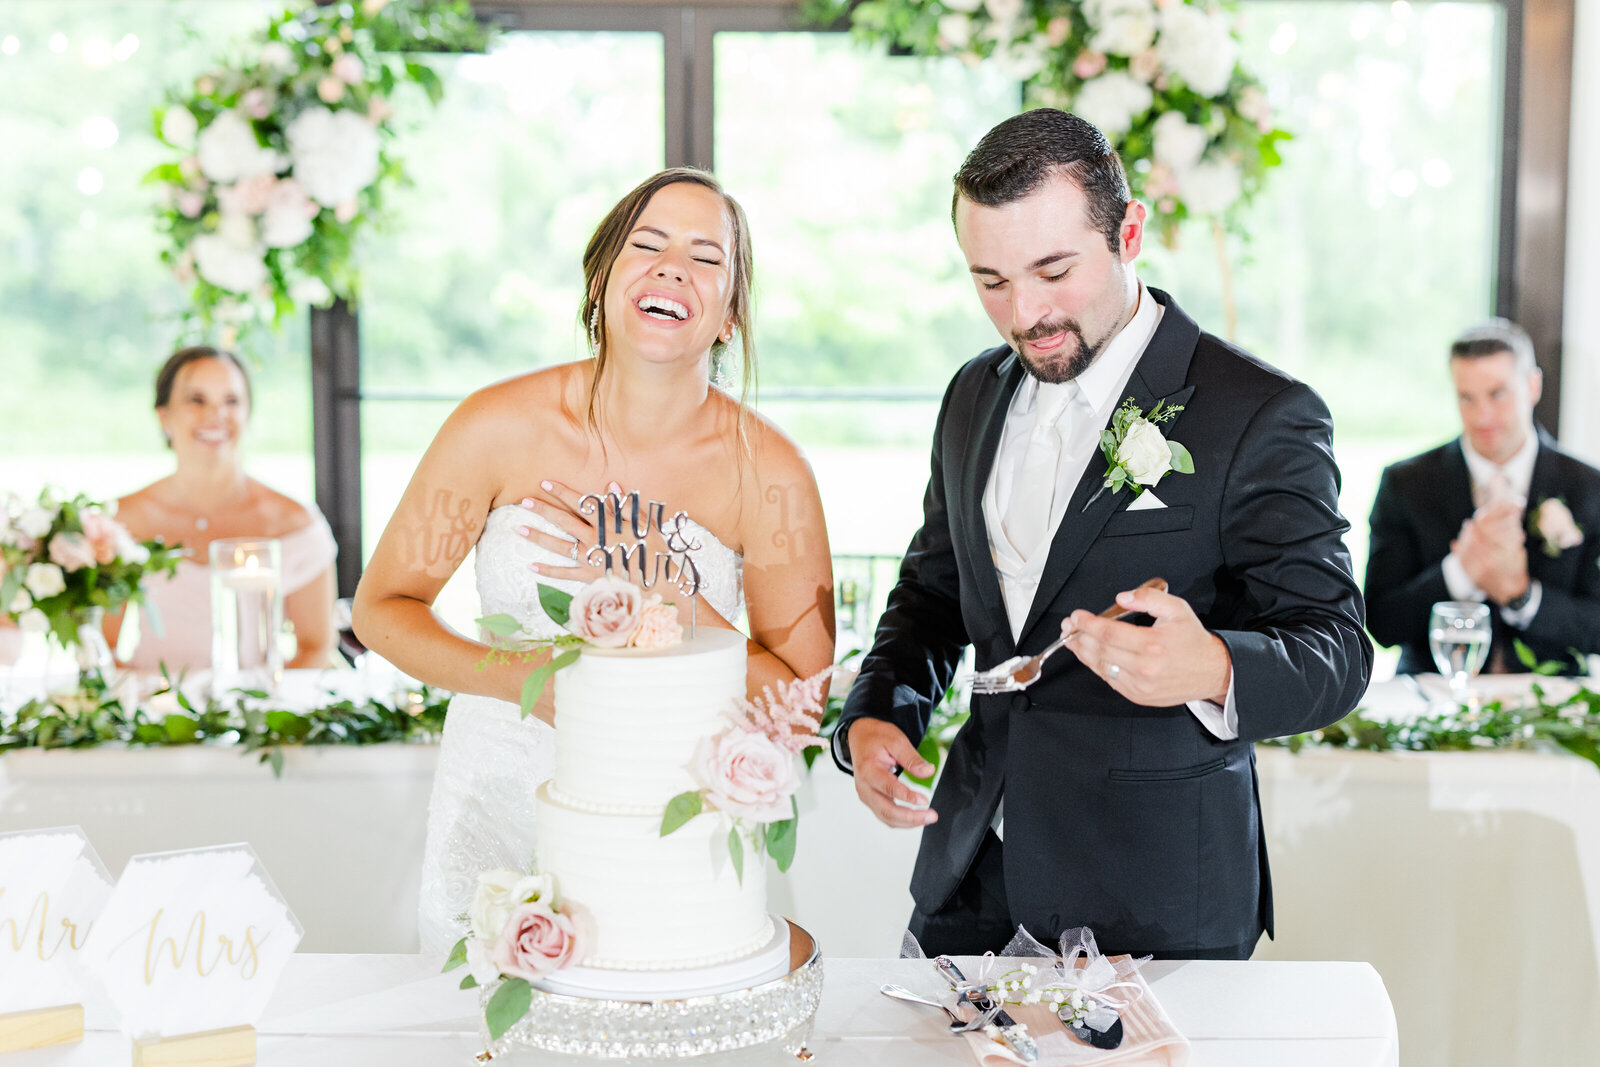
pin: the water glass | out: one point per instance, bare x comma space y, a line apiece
1458, 636
246, 614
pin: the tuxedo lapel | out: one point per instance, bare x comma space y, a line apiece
988, 420
1543, 486
1159, 375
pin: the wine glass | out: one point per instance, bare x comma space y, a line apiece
1458, 637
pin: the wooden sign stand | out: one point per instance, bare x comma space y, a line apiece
41, 1027
234, 1046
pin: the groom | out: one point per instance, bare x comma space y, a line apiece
1119, 791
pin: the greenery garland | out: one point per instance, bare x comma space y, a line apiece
1160, 78
283, 155
96, 714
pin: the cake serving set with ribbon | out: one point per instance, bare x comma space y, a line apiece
642, 929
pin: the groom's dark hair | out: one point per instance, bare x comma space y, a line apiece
1024, 151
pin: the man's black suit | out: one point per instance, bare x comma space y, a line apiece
1420, 507
1134, 821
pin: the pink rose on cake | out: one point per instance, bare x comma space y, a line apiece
537, 940
606, 612
747, 775
658, 625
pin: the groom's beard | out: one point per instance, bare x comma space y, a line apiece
1061, 368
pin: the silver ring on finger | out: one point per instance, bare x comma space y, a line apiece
574, 551
1113, 672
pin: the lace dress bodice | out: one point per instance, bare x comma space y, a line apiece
491, 760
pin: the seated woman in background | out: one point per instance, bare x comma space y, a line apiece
203, 402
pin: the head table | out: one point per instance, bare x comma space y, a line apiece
1469, 880
398, 1011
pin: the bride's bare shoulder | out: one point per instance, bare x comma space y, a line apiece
526, 402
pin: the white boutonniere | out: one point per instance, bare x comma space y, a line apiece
1137, 454
1553, 524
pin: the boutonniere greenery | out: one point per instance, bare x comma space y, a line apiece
1552, 523
1137, 454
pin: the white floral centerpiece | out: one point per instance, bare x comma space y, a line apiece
283, 155
64, 562
1161, 79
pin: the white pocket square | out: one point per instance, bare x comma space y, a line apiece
1145, 501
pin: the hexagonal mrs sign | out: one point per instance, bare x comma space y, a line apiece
52, 888
189, 949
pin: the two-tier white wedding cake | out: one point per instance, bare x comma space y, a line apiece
671, 915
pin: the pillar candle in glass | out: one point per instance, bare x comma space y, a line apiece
246, 614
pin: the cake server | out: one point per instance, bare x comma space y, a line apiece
1019, 672
1012, 1034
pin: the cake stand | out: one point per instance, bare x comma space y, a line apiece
781, 1010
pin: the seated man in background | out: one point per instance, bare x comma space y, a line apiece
1499, 515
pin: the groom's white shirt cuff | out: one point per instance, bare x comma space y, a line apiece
1221, 719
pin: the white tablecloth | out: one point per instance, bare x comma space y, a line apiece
1447, 871
397, 1011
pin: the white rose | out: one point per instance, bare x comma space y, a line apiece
956, 28
1197, 47
287, 219
228, 150
479, 962
36, 522
33, 621
20, 603
1122, 27
1179, 143
1112, 101
1210, 187
178, 127
45, 580
1144, 452
310, 291
227, 265
335, 154
1021, 60
499, 891
276, 55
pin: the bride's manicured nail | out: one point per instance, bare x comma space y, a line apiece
527, 501
614, 487
523, 530
534, 567
548, 487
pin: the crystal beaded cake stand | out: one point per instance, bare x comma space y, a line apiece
781, 1010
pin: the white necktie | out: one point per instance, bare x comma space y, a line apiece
1027, 517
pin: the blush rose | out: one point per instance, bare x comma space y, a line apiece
748, 774
537, 940
1556, 526
606, 612
658, 626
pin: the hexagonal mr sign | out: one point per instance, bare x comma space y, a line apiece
189, 948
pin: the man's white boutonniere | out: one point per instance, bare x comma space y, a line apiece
1137, 454
1554, 525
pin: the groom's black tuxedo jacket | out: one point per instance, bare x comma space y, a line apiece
1134, 821
1420, 507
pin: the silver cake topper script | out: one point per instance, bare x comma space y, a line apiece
676, 566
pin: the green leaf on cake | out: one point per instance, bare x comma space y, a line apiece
680, 809
457, 957
556, 604
509, 1003
469, 982
736, 853
500, 625
533, 687
781, 841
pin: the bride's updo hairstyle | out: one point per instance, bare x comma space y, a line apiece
607, 243
167, 376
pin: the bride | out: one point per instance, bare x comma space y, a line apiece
667, 278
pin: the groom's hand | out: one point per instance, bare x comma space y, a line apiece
1173, 662
877, 750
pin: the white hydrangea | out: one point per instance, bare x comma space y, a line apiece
228, 150
1197, 46
1021, 60
1112, 101
1210, 187
335, 154
956, 28
231, 258
1179, 143
1122, 27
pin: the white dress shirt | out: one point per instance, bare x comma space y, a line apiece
1490, 482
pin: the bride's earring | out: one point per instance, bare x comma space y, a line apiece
594, 329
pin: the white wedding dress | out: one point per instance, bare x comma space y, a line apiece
491, 760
